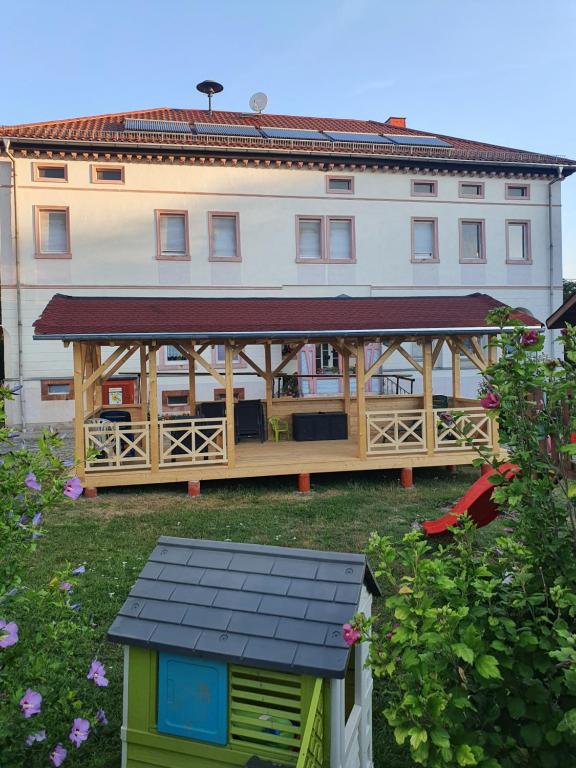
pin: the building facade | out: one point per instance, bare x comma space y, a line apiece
157, 204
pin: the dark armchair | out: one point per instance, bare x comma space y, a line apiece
249, 420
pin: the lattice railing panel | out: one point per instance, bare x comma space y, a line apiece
312, 750
122, 445
193, 441
396, 432
266, 713
449, 422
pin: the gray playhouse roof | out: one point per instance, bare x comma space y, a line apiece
272, 607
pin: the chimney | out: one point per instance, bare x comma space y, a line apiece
397, 122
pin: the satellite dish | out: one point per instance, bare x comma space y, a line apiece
258, 102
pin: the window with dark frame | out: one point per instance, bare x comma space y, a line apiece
472, 247
50, 173
424, 188
340, 184
108, 174
517, 191
471, 189
56, 389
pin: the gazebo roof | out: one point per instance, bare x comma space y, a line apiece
262, 606
105, 317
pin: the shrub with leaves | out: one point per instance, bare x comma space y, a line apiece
479, 647
50, 703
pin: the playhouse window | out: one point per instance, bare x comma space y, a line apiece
193, 698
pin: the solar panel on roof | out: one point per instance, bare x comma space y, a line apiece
358, 138
419, 141
289, 133
161, 126
222, 129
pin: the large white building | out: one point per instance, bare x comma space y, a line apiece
173, 202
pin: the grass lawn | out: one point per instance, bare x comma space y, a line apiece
115, 533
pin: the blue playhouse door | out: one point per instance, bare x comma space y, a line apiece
193, 698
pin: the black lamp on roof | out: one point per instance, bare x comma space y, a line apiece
209, 87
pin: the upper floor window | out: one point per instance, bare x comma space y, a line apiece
172, 235
518, 246
224, 236
472, 246
219, 356
517, 191
425, 240
424, 188
340, 184
325, 239
52, 232
50, 172
173, 354
108, 174
471, 189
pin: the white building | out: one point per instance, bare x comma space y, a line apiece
172, 202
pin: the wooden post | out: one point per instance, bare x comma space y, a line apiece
143, 384
192, 384
428, 407
346, 380
89, 368
230, 445
493, 358
98, 384
361, 398
153, 408
269, 382
456, 386
79, 449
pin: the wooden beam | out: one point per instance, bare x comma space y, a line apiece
466, 352
456, 374
143, 383
285, 360
361, 399
192, 355
346, 381
79, 449
119, 363
97, 385
428, 393
252, 364
153, 408
478, 349
105, 365
383, 357
411, 360
493, 358
269, 381
229, 384
437, 349
192, 385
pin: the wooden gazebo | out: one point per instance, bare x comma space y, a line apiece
382, 431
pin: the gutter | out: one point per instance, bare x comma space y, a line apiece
16, 251
551, 252
478, 331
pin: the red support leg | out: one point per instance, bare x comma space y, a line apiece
90, 493
304, 482
194, 488
406, 477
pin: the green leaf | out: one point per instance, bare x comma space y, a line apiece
571, 490
487, 667
568, 722
465, 756
418, 736
532, 734
440, 738
516, 707
553, 738
401, 733
464, 652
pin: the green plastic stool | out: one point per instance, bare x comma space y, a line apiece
279, 426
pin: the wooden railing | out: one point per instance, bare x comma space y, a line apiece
396, 432
112, 445
474, 422
312, 749
193, 441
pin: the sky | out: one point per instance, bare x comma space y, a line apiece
501, 71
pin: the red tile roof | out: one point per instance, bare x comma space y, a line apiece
109, 128
130, 317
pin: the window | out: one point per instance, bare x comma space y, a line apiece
424, 240
472, 246
53, 233
107, 174
175, 400
57, 389
517, 191
219, 356
325, 238
172, 235
518, 247
424, 188
220, 393
471, 189
50, 172
327, 359
340, 185
224, 236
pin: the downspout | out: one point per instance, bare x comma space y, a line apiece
551, 306
16, 251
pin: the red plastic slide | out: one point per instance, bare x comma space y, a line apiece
477, 501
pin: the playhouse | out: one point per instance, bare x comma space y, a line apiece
234, 656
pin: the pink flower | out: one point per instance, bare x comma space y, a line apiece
101, 717
80, 731
98, 674
58, 755
8, 633
65, 586
491, 401
40, 736
30, 703
530, 338
73, 488
31, 482
350, 634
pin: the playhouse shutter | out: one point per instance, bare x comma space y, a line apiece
266, 712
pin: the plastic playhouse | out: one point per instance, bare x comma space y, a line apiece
234, 656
